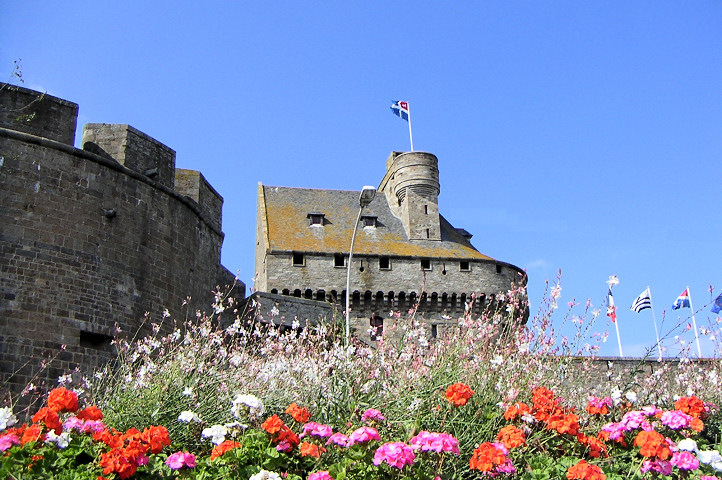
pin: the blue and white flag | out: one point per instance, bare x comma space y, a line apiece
682, 301
644, 300
717, 305
401, 109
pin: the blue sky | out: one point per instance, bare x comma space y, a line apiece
581, 136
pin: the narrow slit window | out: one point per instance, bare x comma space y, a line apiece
498, 268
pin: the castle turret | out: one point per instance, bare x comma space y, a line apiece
411, 185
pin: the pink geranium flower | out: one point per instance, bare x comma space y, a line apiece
322, 475
372, 414
363, 435
684, 461
8, 440
396, 454
316, 430
435, 442
179, 460
338, 439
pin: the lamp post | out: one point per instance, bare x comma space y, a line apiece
366, 197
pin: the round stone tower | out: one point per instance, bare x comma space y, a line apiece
412, 189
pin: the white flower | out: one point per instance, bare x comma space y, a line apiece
61, 440
7, 419
254, 404
711, 458
497, 360
217, 433
616, 396
265, 475
631, 396
235, 360
188, 392
187, 417
687, 444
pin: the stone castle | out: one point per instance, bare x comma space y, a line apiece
98, 238
93, 239
406, 255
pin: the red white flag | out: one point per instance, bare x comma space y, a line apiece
611, 310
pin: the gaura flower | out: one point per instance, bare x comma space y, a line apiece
458, 394
396, 454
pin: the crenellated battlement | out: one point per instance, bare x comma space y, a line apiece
92, 240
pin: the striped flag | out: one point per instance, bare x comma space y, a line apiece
644, 300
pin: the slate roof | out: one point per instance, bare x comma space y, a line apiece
287, 226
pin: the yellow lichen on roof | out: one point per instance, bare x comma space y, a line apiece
287, 212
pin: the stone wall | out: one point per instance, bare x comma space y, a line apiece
89, 246
267, 308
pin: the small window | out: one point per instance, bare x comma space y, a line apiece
428, 235
434, 330
339, 260
426, 209
298, 260
316, 218
368, 221
425, 264
384, 263
464, 266
498, 268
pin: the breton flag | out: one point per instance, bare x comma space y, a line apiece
644, 300
682, 301
717, 306
611, 310
401, 109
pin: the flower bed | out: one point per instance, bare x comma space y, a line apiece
543, 438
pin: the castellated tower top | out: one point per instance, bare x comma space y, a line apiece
411, 185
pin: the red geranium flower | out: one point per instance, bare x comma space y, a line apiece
300, 414
63, 400
459, 394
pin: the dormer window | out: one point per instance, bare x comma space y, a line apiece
316, 219
368, 221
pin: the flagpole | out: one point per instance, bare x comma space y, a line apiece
694, 324
619, 340
411, 139
654, 319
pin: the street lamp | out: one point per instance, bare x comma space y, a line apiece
366, 197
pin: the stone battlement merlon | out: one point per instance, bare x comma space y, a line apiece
55, 120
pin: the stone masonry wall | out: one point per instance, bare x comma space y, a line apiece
87, 245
